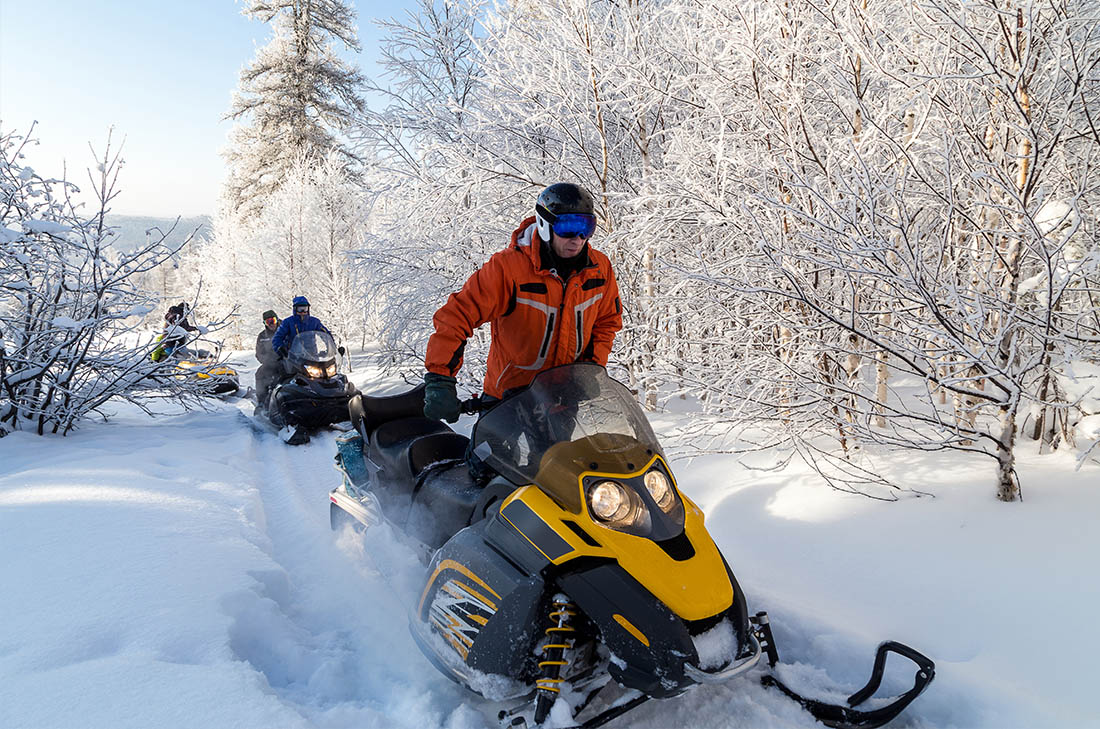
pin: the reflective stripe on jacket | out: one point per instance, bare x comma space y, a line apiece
537, 321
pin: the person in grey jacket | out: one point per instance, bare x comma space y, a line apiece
269, 370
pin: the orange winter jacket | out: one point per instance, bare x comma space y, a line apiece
538, 321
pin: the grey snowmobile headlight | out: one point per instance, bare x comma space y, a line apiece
330, 371
660, 488
315, 372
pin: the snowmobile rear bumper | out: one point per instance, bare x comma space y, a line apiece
225, 386
850, 717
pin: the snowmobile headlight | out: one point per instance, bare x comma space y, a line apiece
315, 372
330, 371
660, 488
609, 501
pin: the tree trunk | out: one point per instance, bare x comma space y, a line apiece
1008, 486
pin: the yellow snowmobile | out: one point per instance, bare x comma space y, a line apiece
580, 564
202, 365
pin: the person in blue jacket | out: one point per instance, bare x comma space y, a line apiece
299, 321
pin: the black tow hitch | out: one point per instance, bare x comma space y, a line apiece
850, 717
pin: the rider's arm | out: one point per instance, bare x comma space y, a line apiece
483, 298
279, 339
608, 322
261, 354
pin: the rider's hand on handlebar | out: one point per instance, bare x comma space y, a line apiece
440, 397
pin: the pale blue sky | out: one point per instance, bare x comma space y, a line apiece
161, 73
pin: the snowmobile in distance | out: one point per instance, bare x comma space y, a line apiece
196, 363
206, 367
314, 394
578, 566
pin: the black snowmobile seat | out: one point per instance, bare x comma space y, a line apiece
389, 447
379, 410
436, 448
446, 496
401, 432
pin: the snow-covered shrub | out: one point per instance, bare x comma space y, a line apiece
69, 306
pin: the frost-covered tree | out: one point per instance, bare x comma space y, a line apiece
864, 225
485, 112
298, 244
432, 221
70, 308
895, 209
296, 99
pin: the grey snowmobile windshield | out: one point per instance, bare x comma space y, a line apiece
570, 420
313, 346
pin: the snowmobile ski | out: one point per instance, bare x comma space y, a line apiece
850, 717
516, 719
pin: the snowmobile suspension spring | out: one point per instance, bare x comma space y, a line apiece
553, 655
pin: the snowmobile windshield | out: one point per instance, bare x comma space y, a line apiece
571, 420
313, 346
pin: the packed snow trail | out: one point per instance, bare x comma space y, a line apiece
323, 628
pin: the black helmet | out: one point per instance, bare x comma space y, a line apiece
559, 199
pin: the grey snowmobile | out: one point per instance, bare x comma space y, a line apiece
315, 394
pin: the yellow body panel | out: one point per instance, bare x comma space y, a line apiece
694, 588
189, 367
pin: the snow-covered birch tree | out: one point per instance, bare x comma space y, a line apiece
861, 224
70, 308
910, 239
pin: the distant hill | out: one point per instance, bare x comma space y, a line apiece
131, 229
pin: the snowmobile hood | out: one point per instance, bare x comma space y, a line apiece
687, 574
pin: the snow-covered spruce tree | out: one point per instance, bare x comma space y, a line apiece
295, 100
70, 310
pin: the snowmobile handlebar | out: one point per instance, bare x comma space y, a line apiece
472, 406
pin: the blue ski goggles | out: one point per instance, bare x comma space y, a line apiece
575, 225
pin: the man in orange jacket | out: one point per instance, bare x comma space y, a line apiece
550, 298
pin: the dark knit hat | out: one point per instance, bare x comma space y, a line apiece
268, 314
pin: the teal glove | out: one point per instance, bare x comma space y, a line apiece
440, 397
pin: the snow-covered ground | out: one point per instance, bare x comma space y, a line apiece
180, 571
